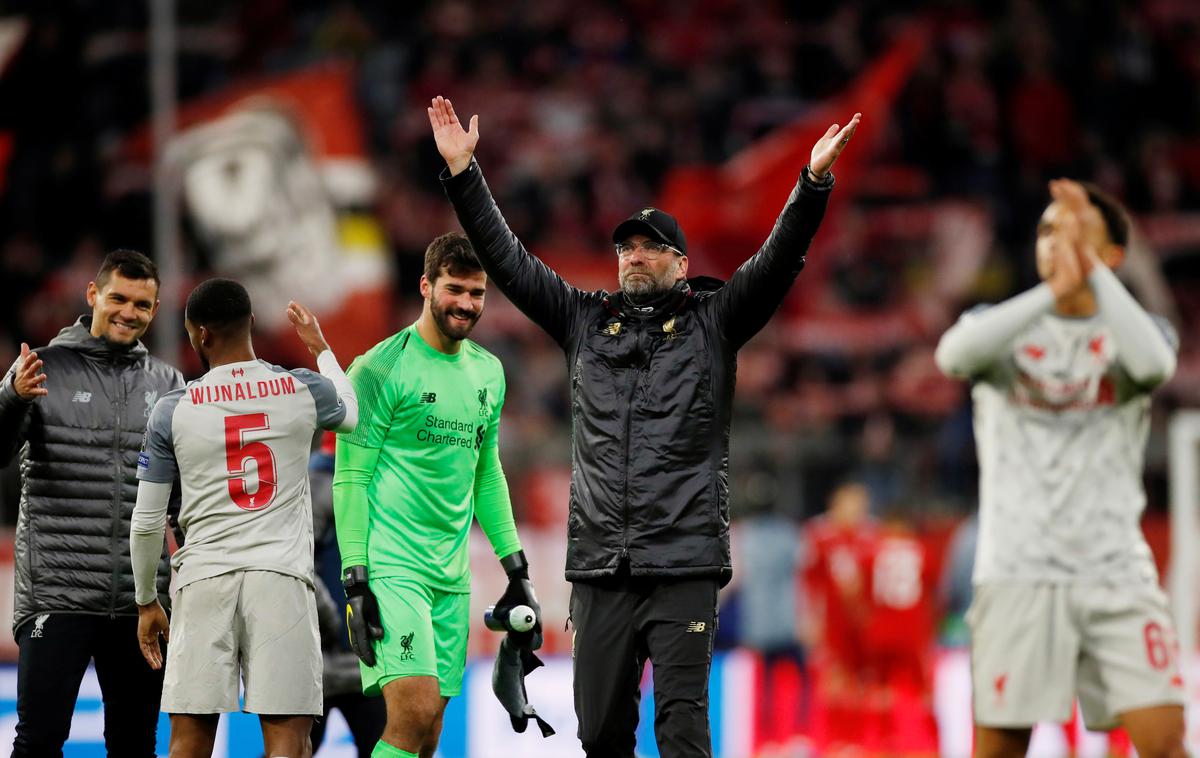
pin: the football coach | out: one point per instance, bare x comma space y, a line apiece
651, 368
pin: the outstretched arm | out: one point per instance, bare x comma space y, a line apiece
531, 285
341, 414
980, 338
758, 287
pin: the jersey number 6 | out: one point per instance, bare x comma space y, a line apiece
237, 451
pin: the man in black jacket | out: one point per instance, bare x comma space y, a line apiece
77, 410
652, 374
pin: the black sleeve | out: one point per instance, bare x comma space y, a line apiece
756, 290
530, 284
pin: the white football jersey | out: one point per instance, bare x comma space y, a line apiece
239, 439
1060, 432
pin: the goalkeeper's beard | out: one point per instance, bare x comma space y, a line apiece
452, 327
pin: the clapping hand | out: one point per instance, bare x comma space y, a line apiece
1073, 241
1082, 225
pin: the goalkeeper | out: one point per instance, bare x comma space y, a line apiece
422, 460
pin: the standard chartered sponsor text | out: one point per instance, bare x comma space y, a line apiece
441, 431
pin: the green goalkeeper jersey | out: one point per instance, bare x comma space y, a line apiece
422, 460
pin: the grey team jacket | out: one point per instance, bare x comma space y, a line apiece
651, 391
78, 457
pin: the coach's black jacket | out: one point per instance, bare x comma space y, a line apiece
651, 390
78, 451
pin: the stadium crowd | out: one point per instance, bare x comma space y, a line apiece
590, 104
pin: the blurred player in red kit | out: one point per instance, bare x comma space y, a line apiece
900, 639
841, 543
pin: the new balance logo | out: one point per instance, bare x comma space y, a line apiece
428, 397
406, 642
82, 397
697, 626
38, 623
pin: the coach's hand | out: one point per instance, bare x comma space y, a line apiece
362, 614
830, 146
152, 622
520, 592
454, 143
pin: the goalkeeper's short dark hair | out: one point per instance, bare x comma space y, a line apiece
450, 253
220, 304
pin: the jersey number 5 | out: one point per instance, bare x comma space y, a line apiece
238, 451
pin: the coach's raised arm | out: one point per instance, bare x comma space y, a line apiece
652, 378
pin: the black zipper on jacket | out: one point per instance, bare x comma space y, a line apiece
630, 392
119, 479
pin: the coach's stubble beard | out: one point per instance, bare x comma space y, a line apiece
639, 285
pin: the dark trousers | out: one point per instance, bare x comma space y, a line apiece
619, 625
54, 656
366, 717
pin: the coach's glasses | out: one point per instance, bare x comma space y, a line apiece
651, 250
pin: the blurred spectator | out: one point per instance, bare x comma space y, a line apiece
955, 588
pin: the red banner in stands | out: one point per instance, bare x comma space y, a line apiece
729, 210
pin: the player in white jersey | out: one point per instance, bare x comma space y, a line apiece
1067, 602
239, 439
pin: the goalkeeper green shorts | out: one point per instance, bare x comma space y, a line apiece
424, 634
